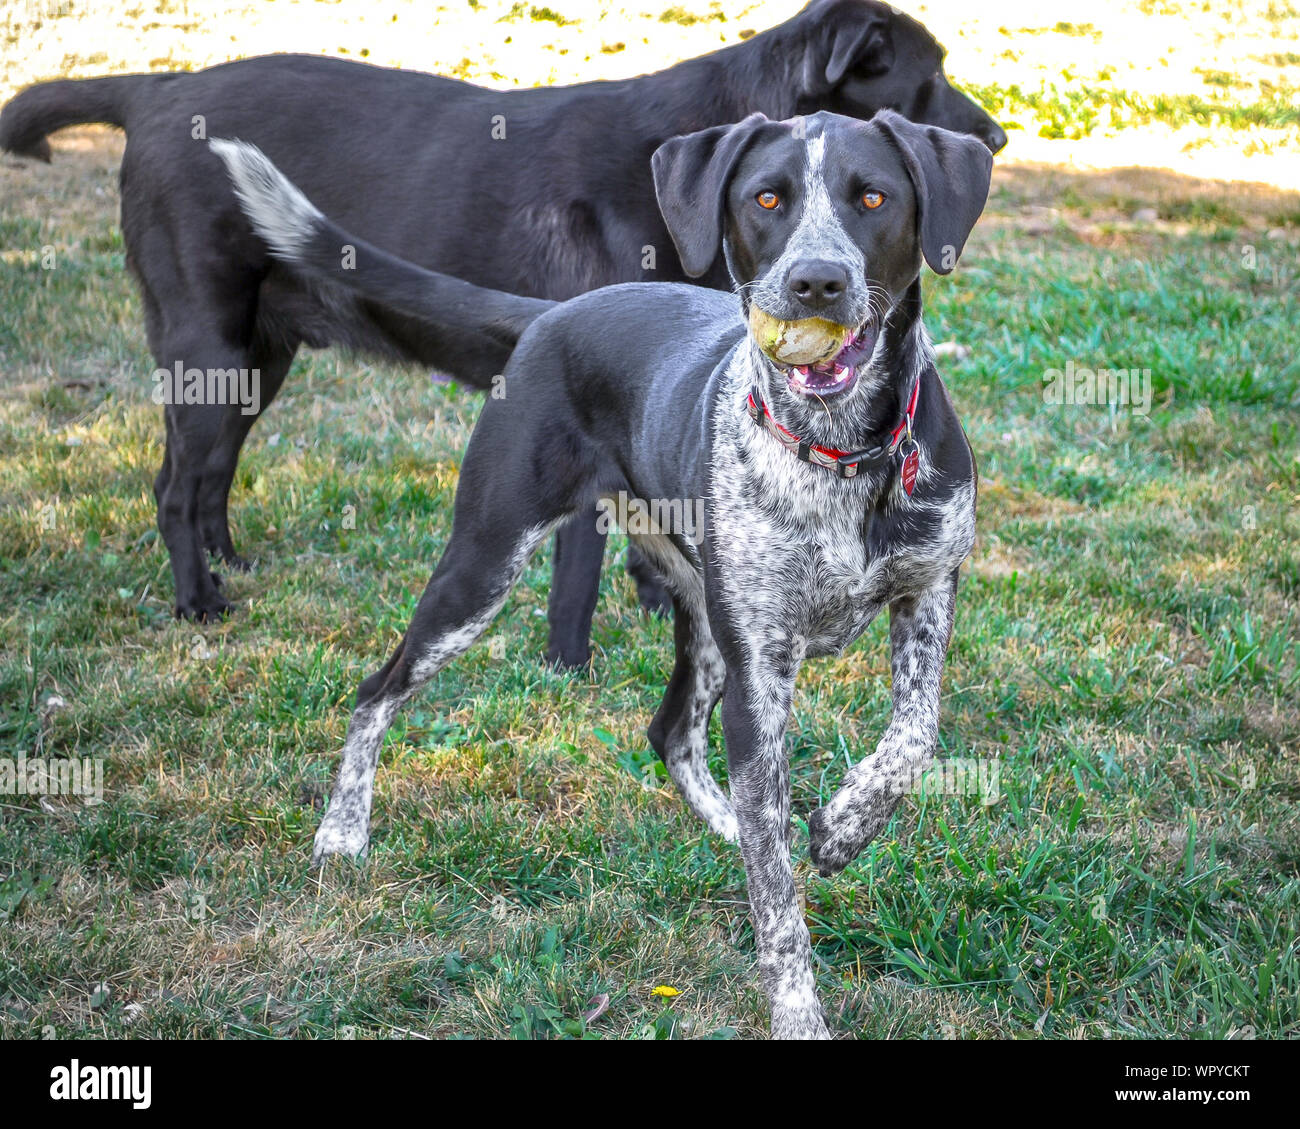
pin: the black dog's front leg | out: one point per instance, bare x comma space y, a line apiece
919, 630
575, 586
755, 708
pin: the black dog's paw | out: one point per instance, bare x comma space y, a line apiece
568, 656
211, 610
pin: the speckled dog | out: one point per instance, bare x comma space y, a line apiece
831, 490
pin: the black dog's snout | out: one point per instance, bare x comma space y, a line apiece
817, 283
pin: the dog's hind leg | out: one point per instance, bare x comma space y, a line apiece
191, 431
680, 729
462, 598
198, 314
919, 630
269, 366
504, 509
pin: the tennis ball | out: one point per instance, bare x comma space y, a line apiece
808, 341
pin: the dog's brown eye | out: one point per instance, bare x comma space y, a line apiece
872, 199
768, 200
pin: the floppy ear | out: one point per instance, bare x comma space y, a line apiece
858, 42
950, 172
691, 177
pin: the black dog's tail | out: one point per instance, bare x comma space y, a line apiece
474, 329
48, 106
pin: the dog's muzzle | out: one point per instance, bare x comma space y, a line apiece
829, 378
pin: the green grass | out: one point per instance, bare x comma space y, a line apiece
533, 12
1080, 109
685, 17
1126, 644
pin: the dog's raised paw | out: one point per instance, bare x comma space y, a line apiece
727, 826
821, 846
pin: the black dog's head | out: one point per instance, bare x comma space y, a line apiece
860, 56
824, 217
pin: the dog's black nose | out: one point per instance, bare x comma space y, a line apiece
817, 283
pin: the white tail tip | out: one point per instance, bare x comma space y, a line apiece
278, 211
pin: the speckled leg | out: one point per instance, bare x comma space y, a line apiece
919, 630
462, 598
680, 730
755, 708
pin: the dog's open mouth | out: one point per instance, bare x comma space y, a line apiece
828, 378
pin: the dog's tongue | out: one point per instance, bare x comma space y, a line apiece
827, 376
859, 349
850, 357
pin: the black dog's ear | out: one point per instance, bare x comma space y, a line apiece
861, 41
691, 177
951, 173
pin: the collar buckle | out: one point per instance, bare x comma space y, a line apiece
846, 464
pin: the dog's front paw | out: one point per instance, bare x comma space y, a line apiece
339, 836
859, 811
799, 1023
726, 825
835, 839
821, 848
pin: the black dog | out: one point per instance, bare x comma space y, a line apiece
541, 192
830, 489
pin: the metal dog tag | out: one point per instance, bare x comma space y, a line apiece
908, 474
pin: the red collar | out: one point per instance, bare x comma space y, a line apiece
844, 463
